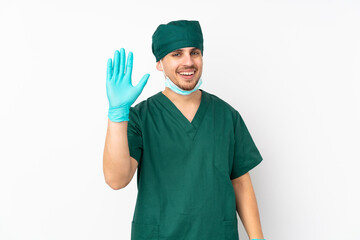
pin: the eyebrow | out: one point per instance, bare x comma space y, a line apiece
180, 50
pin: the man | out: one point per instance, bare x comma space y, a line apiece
192, 150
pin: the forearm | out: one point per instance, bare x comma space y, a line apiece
116, 158
247, 208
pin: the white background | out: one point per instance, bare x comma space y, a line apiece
291, 68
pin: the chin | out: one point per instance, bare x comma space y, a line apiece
188, 87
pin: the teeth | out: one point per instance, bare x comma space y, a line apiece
186, 73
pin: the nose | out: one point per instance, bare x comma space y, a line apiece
188, 59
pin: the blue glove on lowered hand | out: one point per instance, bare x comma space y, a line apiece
120, 92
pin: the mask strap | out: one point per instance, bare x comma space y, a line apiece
163, 69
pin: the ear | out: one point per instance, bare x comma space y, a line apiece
158, 66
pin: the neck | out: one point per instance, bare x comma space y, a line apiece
182, 99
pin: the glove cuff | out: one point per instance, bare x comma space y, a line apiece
119, 114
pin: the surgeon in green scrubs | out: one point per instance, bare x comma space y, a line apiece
192, 150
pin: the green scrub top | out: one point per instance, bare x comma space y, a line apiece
185, 169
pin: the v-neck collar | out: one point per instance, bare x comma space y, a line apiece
190, 127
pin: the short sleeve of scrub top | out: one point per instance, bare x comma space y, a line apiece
185, 169
134, 135
246, 154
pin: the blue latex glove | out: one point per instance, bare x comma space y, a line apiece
120, 92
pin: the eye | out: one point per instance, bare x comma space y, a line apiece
195, 53
176, 54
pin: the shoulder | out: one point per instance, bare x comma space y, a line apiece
221, 106
142, 107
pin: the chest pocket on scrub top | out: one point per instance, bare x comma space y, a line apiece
224, 152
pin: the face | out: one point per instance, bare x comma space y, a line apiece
183, 66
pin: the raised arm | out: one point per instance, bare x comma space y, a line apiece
118, 166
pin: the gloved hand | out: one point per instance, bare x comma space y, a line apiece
120, 92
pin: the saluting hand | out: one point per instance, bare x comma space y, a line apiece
119, 89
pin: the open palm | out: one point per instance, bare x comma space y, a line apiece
120, 91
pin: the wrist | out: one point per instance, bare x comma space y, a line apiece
119, 114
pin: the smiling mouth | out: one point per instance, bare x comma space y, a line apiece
187, 74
